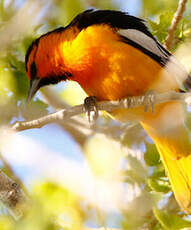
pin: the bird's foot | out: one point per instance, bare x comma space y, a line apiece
149, 101
90, 107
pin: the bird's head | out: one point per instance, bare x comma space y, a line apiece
45, 62
81, 51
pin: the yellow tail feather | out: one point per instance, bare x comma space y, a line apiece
179, 172
166, 128
175, 150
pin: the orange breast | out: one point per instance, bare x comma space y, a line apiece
110, 69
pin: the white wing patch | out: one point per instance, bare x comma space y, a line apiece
176, 70
144, 40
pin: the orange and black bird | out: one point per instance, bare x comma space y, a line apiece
113, 55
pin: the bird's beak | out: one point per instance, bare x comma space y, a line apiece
34, 86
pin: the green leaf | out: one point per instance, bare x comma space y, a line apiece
6, 223
1, 10
34, 109
158, 186
151, 8
188, 120
171, 221
67, 10
151, 155
107, 4
131, 176
159, 173
160, 28
22, 84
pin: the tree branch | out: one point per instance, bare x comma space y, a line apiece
177, 17
11, 173
10, 193
11, 196
130, 102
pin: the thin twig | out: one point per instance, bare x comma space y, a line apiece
176, 19
130, 102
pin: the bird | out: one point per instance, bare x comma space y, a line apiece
112, 55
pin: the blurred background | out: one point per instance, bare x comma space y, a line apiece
80, 176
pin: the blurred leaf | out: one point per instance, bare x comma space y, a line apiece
27, 41
159, 173
1, 10
65, 11
151, 8
72, 8
159, 186
105, 4
6, 223
136, 166
105, 162
133, 136
151, 155
139, 209
7, 82
131, 176
21, 85
188, 120
33, 110
160, 28
57, 200
136, 173
171, 221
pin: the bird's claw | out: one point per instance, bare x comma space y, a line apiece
90, 107
149, 101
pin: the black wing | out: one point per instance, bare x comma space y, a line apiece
125, 22
133, 31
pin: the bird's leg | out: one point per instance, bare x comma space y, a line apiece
149, 100
90, 107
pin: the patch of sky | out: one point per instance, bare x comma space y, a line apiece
56, 140
130, 6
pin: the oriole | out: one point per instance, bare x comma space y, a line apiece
112, 55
